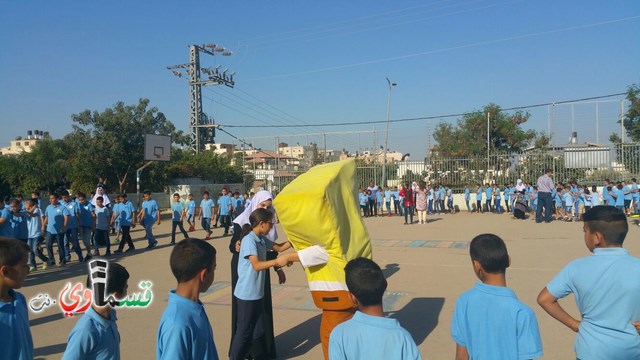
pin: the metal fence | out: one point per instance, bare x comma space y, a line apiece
589, 165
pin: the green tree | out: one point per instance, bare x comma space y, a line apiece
44, 168
469, 136
110, 144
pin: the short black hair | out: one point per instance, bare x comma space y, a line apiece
189, 256
260, 215
491, 252
205, 193
147, 192
117, 276
100, 198
609, 221
12, 251
82, 195
365, 281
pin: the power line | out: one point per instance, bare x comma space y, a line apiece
423, 117
458, 47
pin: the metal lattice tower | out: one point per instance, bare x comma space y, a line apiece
202, 127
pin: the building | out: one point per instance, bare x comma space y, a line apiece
20, 144
221, 149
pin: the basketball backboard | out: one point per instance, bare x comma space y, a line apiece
157, 147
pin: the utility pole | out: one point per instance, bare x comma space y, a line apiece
386, 136
202, 129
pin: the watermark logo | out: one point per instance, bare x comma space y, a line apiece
76, 299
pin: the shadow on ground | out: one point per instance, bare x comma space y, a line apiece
298, 340
419, 317
49, 350
390, 269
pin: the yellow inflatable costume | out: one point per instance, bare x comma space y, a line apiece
320, 207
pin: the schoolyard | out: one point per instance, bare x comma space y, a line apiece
427, 267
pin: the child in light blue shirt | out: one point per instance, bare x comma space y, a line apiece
249, 291
369, 334
489, 322
185, 331
16, 342
606, 287
95, 335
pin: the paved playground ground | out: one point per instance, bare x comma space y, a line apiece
427, 267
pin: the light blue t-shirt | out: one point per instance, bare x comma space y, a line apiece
185, 331
86, 220
479, 194
362, 198
207, 206
94, 337
606, 287
467, 193
387, 195
5, 229
103, 217
379, 198
430, 196
16, 342
634, 191
177, 208
371, 337
491, 323
442, 193
374, 191
19, 225
568, 199
223, 203
34, 224
488, 192
55, 217
595, 199
497, 192
626, 189
125, 213
250, 284
191, 207
619, 196
605, 195
72, 206
558, 200
150, 208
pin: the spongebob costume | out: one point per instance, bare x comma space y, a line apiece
319, 210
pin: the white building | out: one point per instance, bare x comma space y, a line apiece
20, 144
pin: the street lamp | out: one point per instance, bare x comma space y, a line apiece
386, 135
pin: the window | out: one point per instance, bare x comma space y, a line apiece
26, 143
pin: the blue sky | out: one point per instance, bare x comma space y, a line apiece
303, 62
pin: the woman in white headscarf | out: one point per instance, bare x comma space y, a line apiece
265, 347
100, 192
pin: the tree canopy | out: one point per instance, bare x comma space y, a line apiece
631, 119
469, 136
110, 145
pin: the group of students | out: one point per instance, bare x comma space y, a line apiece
416, 198
64, 222
570, 200
223, 210
489, 322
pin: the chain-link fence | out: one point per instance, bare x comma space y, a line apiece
587, 164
